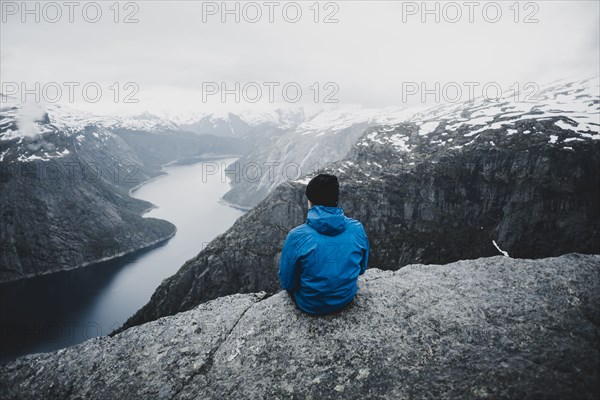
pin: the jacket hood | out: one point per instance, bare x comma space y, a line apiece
327, 220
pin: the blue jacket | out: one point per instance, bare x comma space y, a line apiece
322, 259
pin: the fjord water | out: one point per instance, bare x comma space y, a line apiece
59, 310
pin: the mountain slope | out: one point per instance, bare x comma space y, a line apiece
488, 328
300, 149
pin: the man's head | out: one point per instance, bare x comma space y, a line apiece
323, 189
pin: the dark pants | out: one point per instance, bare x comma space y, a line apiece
329, 313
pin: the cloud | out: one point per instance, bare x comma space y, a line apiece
26, 119
369, 53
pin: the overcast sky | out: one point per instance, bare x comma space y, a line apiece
369, 55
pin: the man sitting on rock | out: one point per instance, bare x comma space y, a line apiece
322, 259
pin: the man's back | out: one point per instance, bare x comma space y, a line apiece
322, 259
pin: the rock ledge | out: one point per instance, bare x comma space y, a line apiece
487, 328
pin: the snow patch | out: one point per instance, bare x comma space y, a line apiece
428, 127
303, 181
400, 142
572, 139
504, 253
563, 125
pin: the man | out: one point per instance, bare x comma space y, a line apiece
322, 259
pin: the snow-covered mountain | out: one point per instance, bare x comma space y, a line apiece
329, 135
49, 132
302, 149
573, 106
246, 123
311, 135
562, 115
47, 117
19, 122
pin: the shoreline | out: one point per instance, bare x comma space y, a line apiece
86, 264
147, 246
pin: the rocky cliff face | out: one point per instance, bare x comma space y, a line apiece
494, 327
532, 198
74, 209
428, 192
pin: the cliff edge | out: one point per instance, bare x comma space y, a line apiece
493, 327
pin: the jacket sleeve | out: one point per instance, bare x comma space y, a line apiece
365, 260
288, 265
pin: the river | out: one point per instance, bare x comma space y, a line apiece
59, 310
